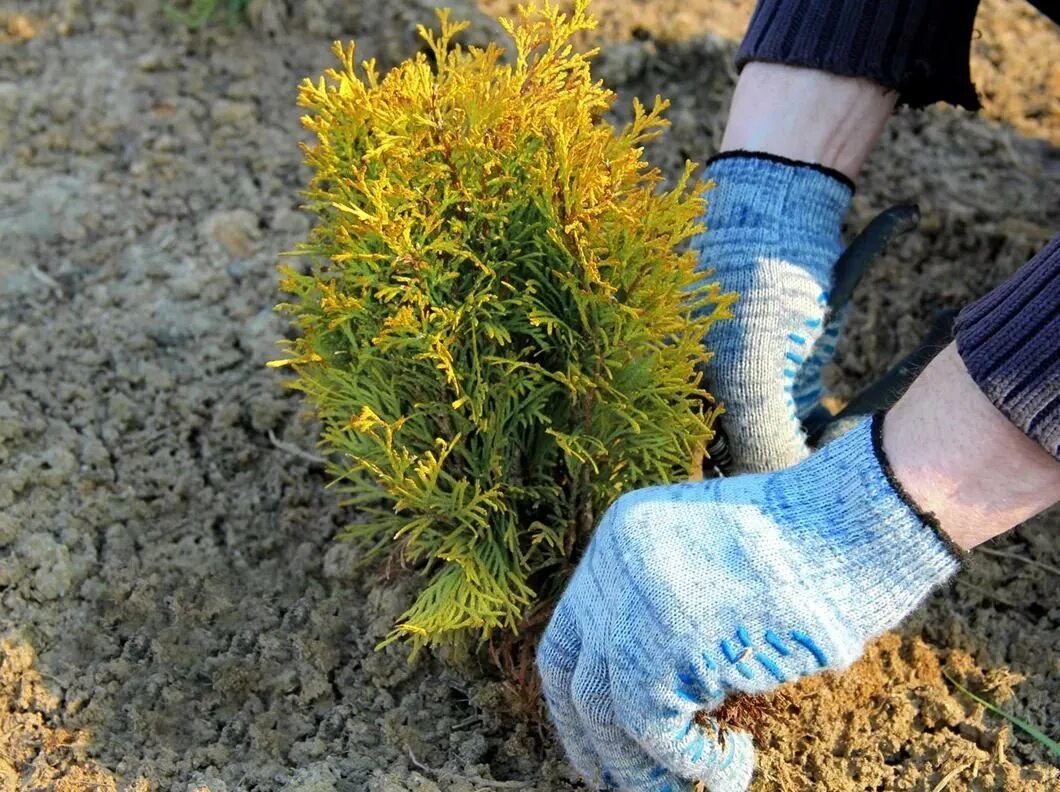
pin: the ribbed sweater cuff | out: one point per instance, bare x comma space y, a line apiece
918, 47
1010, 343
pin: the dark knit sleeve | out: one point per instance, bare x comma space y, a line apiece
1010, 343
918, 47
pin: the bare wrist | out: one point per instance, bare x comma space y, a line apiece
959, 458
807, 115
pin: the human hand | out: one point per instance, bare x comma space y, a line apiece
773, 236
690, 592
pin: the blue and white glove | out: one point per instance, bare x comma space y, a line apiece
690, 592
772, 235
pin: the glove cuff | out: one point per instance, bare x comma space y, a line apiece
765, 156
867, 533
766, 206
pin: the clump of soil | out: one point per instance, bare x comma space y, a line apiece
169, 561
36, 750
891, 717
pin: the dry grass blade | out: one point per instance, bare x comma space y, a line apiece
1018, 557
477, 781
293, 450
952, 774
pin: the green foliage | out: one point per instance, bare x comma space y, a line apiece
1037, 734
498, 332
199, 12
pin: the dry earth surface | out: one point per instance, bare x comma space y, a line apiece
173, 612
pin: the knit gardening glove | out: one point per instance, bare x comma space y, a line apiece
773, 236
690, 592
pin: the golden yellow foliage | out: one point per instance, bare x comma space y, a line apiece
498, 332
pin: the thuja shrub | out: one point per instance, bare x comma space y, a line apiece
498, 331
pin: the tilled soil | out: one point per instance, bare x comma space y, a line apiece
173, 611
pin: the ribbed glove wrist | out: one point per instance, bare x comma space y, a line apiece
875, 552
776, 207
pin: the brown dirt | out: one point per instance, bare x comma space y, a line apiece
174, 613
891, 722
36, 750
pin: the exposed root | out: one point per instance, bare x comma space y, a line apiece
741, 712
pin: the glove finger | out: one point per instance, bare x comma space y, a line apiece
628, 767
623, 764
660, 714
734, 761
557, 659
776, 322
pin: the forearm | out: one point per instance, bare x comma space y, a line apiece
959, 458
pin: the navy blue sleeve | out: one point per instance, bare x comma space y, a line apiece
1010, 343
919, 48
